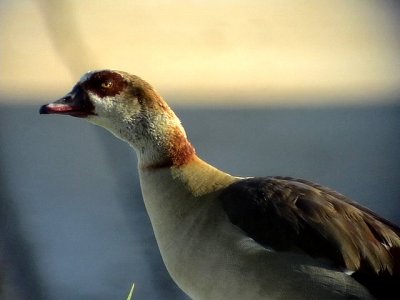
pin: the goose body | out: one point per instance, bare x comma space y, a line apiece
227, 237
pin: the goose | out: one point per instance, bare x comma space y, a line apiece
228, 237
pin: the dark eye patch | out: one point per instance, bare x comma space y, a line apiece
105, 83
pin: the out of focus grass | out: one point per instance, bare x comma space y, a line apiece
131, 292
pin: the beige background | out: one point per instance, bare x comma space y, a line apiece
206, 52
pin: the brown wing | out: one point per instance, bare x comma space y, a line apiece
291, 214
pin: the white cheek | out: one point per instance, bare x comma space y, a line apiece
110, 113
103, 106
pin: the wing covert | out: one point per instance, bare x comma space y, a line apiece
296, 215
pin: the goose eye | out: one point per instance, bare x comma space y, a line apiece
106, 84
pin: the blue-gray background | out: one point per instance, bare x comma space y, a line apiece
72, 221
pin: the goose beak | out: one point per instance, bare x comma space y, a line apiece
76, 104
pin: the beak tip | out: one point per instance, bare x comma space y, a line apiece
43, 110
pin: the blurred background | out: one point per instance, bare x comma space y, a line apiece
308, 89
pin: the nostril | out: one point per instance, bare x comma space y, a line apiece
67, 99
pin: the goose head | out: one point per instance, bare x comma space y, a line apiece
131, 109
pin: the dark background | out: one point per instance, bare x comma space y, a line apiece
72, 221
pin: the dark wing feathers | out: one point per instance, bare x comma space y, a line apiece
291, 214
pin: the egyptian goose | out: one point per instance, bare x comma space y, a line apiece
227, 237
